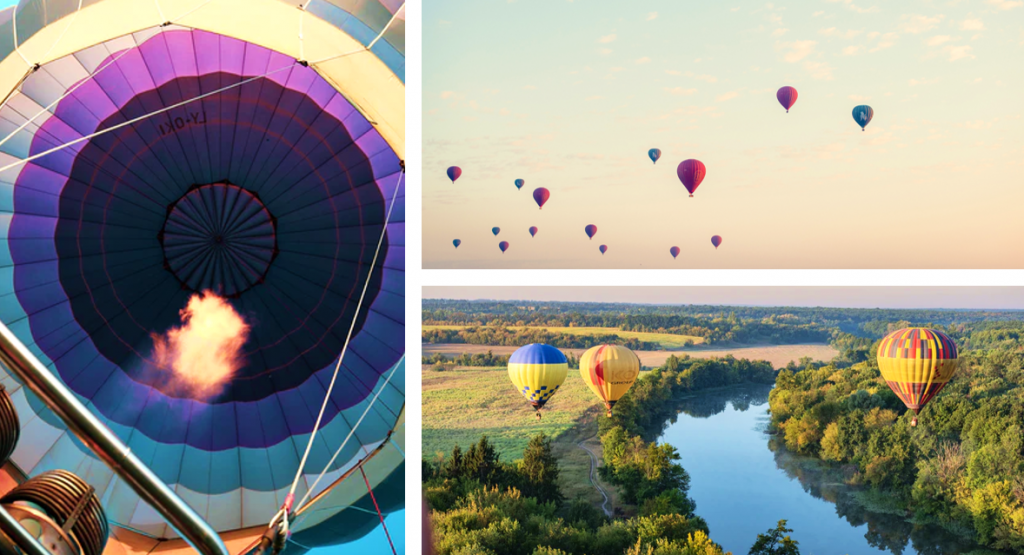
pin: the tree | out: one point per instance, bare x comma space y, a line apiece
539, 469
775, 543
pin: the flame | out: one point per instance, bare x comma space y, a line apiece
202, 355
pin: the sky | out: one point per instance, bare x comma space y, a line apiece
570, 95
995, 298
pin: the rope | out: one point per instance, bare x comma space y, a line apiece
65, 31
367, 47
309, 492
379, 514
88, 78
14, 29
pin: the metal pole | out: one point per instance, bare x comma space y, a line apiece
21, 538
87, 428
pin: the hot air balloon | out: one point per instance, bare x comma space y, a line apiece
279, 190
691, 173
610, 371
457, 242
716, 240
541, 195
787, 97
862, 115
654, 154
533, 231
603, 249
520, 183
590, 230
916, 363
495, 231
674, 251
537, 370
454, 172
503, 246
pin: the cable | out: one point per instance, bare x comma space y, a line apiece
379, 514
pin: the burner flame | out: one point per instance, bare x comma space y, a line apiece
202, 355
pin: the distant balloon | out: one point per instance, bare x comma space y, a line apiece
654, 153
457, 242
520, 183
603, 249
674, 251
716, 240
541, 195
787, 97
495, 231
454, 173
862, 115
503, 246
591, 230
533, 231
691, 173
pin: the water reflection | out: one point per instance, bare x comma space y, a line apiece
721, 435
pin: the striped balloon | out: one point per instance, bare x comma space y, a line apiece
537, 370
610, 371
916, 363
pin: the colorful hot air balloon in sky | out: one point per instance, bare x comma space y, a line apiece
503, 246
674, 251
716, 240
541, 195
590, 230
603, 249
273, 190
495, 231
457, 242
862, 115
654, 154
520, 183
787, 97
609, 371
691, 173
454, 172
537, 371
533, 231
916, 363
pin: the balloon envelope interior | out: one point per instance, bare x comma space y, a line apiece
271, 193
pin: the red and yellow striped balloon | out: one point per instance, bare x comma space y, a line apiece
610, 371
917, 363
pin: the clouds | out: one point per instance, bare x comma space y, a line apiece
607, 38
854, 7
644, 60
727, 96
652, 16
1005, 4
915, 24
833, 32
972, 25
819, 70
680, 91
938, 40
796, 50
959, 52
886, 41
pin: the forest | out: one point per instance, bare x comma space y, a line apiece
962, 466
499, 335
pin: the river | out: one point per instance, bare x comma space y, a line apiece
743, 483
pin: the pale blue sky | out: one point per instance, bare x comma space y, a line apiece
570, 95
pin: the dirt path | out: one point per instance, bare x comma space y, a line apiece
593, 479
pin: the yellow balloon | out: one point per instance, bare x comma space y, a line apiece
610, 371
917, 363
537, 370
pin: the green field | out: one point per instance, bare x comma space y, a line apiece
667, 341
463, 404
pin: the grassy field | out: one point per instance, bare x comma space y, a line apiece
666, 340
463, 404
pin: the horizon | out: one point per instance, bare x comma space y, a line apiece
1002, 299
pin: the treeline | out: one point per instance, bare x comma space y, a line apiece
496, 335
962, 466
869, 322
440, 361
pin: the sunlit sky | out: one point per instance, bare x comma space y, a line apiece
570, 95
996, 298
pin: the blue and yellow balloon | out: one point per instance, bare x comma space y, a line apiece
537, 370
